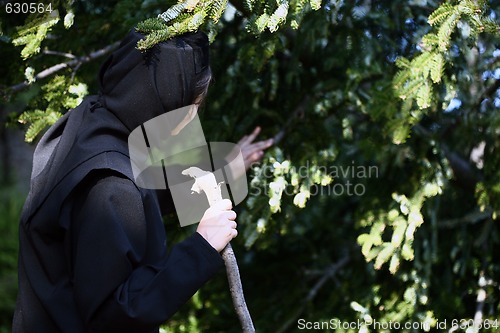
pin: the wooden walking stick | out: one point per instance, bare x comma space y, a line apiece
204, 181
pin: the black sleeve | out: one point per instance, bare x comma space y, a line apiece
117, 286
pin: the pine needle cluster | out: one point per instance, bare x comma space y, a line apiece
39, 24
185, 16
189, 15
59, 95
415, 79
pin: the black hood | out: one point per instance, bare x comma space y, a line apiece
139, 86
135, 87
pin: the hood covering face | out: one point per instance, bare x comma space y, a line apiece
139, 86
135, 87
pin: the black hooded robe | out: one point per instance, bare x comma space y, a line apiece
92, 244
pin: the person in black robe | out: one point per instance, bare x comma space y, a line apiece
93, 254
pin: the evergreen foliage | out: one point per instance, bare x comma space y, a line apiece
415, 81
39, 24
58, 96
185, 16
190, 15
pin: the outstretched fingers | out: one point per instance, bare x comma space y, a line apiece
247, 139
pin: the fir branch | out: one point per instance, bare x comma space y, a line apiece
39, 121
278, 17
490, 26
191, 4
446, 29
424, 95
190, 15
298, 13
179, 19
173, 12
430, 41
218, 8
152, 39
69, 64
315, 4
183, 25
150, 25
258, 24
437, 67
403, 63
186, 16
34, 129
440, 14
32, 34
415, 80
197, 20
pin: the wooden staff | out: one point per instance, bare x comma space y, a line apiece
204, 181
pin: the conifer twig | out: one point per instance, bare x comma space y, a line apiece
62, 54
72, 63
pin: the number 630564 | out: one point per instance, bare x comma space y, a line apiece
27, 8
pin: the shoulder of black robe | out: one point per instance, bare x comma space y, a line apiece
88, 140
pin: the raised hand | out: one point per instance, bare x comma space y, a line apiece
253, 151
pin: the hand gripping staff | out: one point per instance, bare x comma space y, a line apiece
205, 182
175, 139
